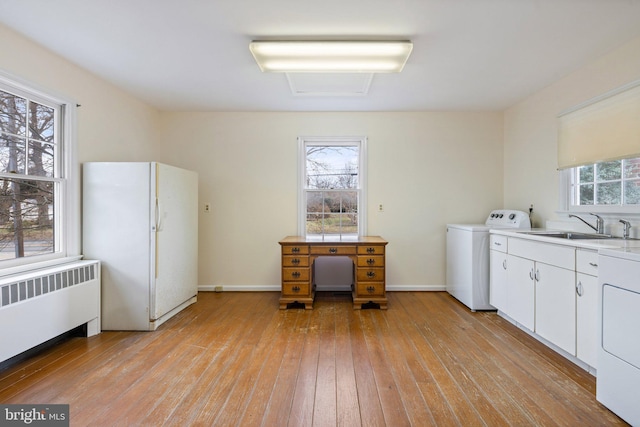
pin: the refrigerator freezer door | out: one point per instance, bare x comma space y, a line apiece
174, 266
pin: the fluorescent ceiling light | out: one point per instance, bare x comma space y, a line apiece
331, 56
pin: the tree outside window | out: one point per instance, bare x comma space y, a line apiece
608, 183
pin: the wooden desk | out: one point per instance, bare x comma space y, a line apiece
299, 255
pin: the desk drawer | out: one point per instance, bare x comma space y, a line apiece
295, 249
295, 261
370, 274
295, 289
295, 274
333, 250
371, 250
370, 289
371, 261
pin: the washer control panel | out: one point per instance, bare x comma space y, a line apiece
509, 218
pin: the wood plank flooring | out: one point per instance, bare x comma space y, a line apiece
235, 359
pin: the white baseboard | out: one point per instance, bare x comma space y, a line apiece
276, 288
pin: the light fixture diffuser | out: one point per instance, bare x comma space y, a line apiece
331, 56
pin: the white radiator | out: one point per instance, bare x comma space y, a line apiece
38, 306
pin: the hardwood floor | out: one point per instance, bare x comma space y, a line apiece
234, 359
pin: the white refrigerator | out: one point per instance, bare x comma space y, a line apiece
140, 219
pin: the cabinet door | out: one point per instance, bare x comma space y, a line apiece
587, 318
520, 291
555, 312
498, 280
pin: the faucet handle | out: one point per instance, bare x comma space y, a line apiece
599, 223
627, 228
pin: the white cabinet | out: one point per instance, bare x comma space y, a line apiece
541, 290
521, 291
498, 272
587, 306
555, 308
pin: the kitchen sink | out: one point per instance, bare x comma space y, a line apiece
571, 235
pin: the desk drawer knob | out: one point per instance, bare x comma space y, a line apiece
371, 289
371, 274
296, 274
296, 289
371, 250
371, 261
295, 261
333, 250
295, 250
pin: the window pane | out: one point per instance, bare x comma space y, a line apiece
609, 193
40, 159
585, 195
632, 168
632, 192
585, 173
332, 212
11, 154
13, 113
41, 124
332, 167
26, 218
608, 171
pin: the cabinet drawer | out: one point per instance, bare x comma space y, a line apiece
560, 256
371, 261
370, 274
587, 262
295, 261
295, 289
333, 250
371, 250
370, 289
498, 243
295, 249
295, 274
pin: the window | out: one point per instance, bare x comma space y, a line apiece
615, 183
34, 183
331, 182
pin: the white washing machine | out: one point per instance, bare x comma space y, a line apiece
468, 256
618, 376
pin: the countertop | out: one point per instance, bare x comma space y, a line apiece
629, 245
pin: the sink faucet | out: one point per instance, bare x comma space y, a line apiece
599, 228
627, 227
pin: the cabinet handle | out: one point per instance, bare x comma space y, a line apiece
295, 250
295, 274
333, 250
593, 264
537, 276
504, 264
497, 243
371, 250
371, 289
371, 274
371, 261
579, 289
531, 274
295, 261
296, 289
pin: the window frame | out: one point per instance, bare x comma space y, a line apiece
567, 181
66, 175
361, 142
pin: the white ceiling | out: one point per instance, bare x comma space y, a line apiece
187, 55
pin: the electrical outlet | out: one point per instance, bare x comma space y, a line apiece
380, 208
207, 207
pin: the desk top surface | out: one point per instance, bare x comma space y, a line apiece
364, 240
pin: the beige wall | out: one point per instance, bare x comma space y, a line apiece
112, 125
427, 169
530, 129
